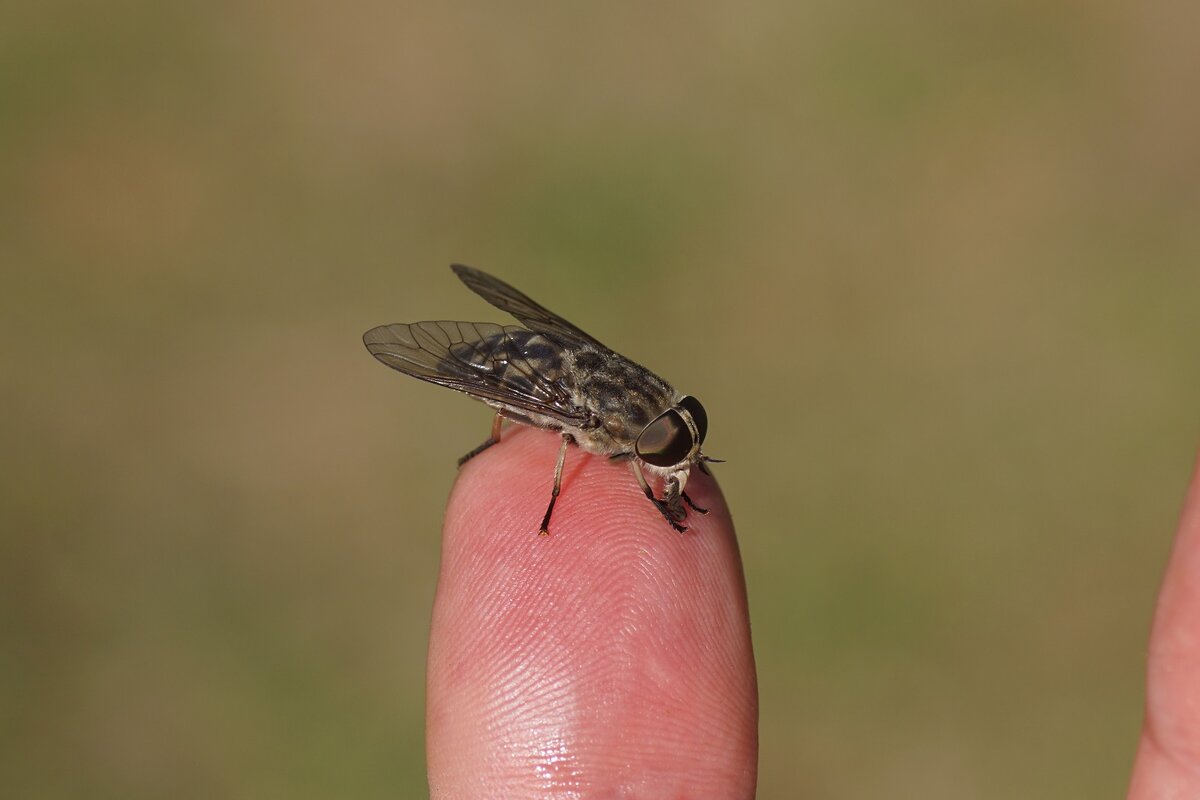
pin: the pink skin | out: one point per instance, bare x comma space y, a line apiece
609, 659
1168, 756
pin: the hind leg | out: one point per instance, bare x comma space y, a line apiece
488, 442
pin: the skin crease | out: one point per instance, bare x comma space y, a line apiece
1168, 755
611, 659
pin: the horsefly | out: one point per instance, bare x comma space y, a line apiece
550, 374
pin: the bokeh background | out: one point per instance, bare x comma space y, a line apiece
933, 267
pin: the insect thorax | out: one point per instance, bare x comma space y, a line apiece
603, 399
624, 396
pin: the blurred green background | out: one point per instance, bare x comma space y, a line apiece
934, 269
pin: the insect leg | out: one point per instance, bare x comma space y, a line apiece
641, 479
491, 440
662, 506
558, 468
695, 507
672, 490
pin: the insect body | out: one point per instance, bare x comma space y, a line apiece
550, 374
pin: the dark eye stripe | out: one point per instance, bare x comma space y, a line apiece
698, 415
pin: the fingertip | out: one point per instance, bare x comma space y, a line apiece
613, 653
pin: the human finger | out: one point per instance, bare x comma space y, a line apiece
610, 658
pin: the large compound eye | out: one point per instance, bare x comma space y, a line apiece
698, 416
666, 441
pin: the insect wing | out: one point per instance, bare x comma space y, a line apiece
506, 364
506, 298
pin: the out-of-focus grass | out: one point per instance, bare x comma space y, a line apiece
933, 271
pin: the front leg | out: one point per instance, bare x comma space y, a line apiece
673, 515
673, 495
692, 504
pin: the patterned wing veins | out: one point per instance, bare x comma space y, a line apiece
506, 298
507, 364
